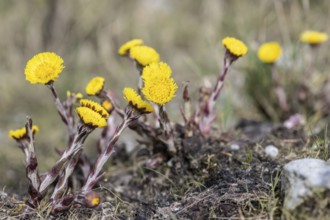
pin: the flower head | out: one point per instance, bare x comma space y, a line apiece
159, 87
136, 101
269, 52
92, 113
313, 37
107, 105
92, 199
95, 86
144, 55
94, 106
43, 68
157, 69
21, 133
235, 46
76, 95
124, 49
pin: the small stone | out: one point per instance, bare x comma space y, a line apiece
271, 151
303, 179
234, 147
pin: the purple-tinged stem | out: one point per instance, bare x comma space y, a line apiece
94, 175
186, 112
168, 130
27, 145
83, 132
116, 107
209, 111
61, 185
66, 118
106, 134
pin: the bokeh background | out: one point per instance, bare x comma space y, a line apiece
87, 34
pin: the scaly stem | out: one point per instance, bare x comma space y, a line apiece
66, 118
106, 134
62, 183
83, 132
186, 113
27, 145
167, 128
94, 175
116, 107
209, 111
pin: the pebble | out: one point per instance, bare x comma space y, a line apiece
271, 151
234, 147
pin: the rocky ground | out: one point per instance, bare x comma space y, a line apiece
241, 174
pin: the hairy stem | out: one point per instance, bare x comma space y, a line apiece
209, 111
168, 130
62, 183
31, 164
94, 175
116, 107
65, 116
83, 132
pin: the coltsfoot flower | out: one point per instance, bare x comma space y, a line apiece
235, 46
94, 106
92, 113
77, 95
158, 87
43, 68
134, 99
92, 199
144, 55
270, 52
124, 49
95, 86
107, 105
157, 69
21, 133
313, 37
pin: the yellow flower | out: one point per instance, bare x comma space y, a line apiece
136, 101
157, 69
313, 37
158, 87
90, 117
144, 55
43, 68
124, 49
21, 133
92, 199
96, 107
235, 46
107, 105
92, 113
95, 86
77, 95
269, 52
159, 90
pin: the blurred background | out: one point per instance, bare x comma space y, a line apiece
87, 34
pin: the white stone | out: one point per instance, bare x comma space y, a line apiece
234, 147
271, 151
304, 178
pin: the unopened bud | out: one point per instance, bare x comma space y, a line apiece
92, 199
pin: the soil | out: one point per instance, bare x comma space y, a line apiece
208, 179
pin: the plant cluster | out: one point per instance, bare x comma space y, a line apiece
156, 87
285, 91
